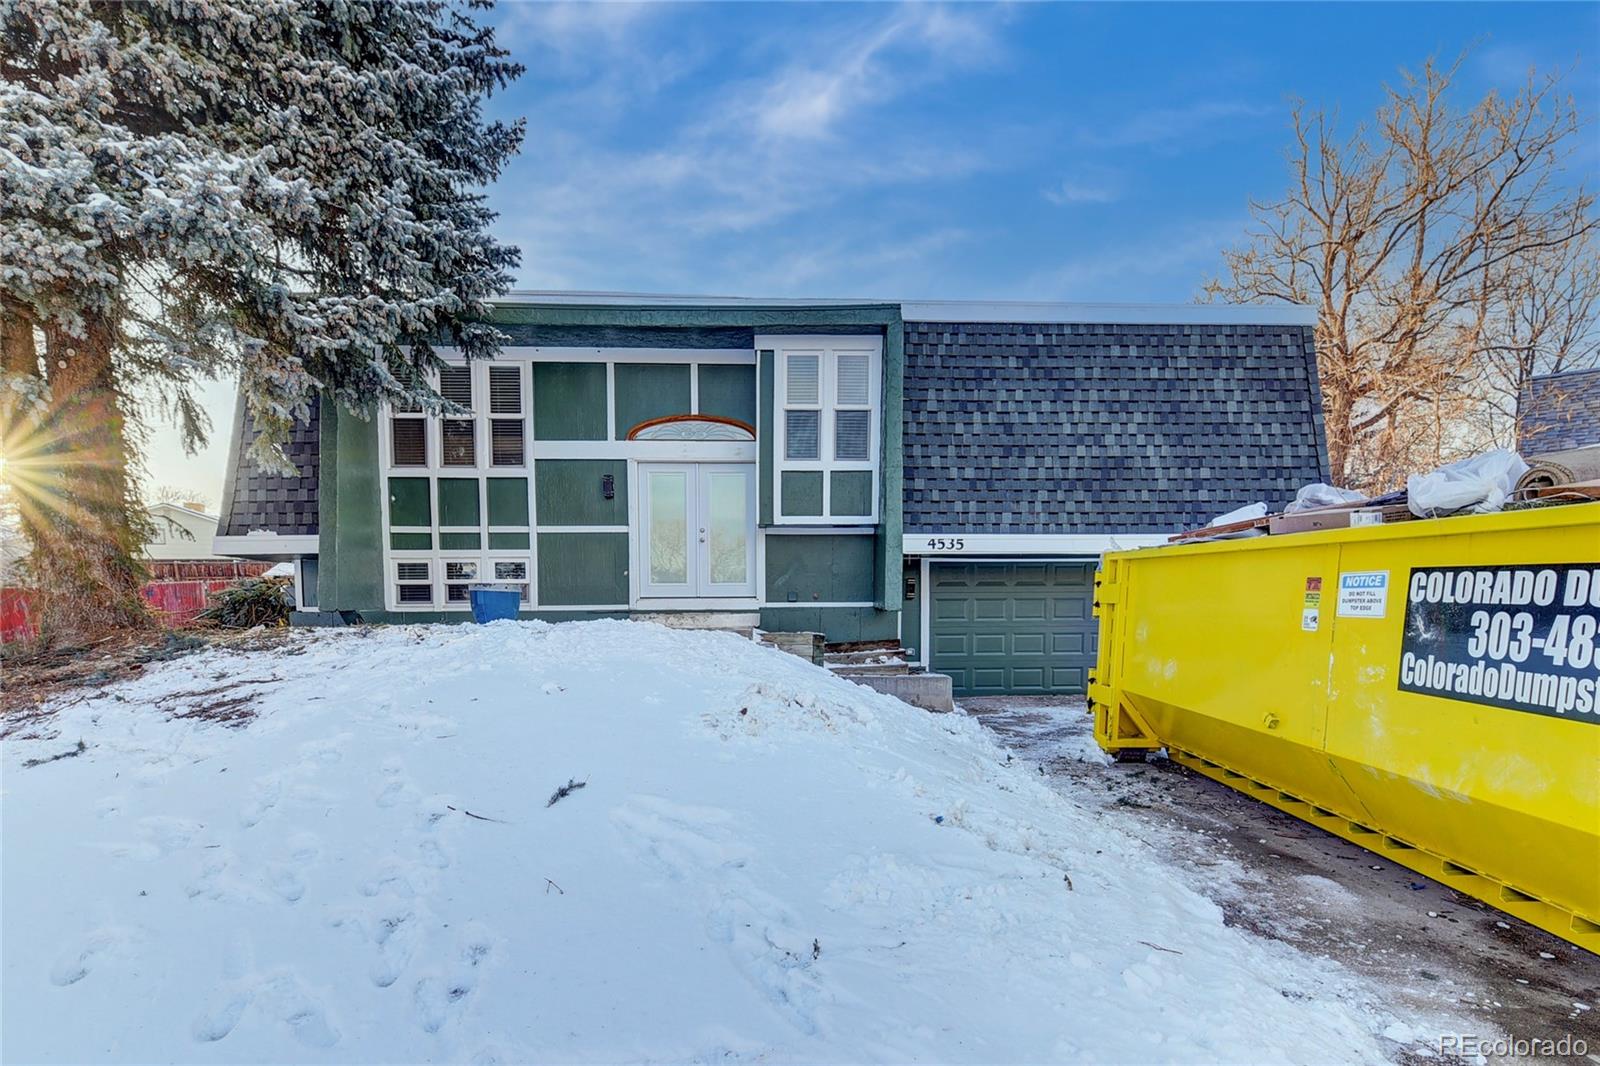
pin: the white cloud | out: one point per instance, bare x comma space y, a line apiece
1090, 187
1182, 254
701, 204
1165, 127
858, 67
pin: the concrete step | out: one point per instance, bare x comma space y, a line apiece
931, 692
866, 656
853, 670
743, 623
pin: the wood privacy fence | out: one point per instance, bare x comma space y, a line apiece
177, 590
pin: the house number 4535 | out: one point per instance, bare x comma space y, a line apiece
946, 544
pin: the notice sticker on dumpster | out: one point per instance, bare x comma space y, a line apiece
1518, 637
1311, 611
1363, 594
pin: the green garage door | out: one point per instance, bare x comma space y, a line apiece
1012, 628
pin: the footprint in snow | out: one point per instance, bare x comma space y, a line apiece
440, 998
268, 791
76, 962
286, 881
396, 935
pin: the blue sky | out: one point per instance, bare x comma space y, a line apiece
1026, 151
1030, 151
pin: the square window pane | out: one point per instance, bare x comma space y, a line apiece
456, 593
459, 570
851, 435
411, 571
414, 594
852, 385
800, 434
457, 443
505, 441
408, 439
455, 385
505, 390
516, 571
801, 371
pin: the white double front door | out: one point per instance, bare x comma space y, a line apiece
697, 530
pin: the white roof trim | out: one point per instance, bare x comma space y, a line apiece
632, 299
1109, 313
1163, 314
168, 506
262, 544
956, 544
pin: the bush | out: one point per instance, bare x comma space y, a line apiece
261, 601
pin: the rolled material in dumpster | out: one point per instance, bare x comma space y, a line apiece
1561, 468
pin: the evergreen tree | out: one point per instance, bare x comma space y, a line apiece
286, 190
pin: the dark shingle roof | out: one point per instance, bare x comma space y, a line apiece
1560, 411
253, 500
1036, 428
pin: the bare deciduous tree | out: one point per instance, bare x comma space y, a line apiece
1430, 243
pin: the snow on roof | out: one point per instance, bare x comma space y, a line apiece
765, 863
959, 310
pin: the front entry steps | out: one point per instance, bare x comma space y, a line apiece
880, 666
744, 623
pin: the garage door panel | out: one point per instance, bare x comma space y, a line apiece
1025, 677
1067, 678
1075, 608
1028, 643
989, 644
989, 678
1068, 643
986, 610
1022, 628
1026, 608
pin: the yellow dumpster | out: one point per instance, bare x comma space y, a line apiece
1429, 690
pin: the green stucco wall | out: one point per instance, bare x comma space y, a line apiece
569, 401
350, 541
802, 493
583, 569
570, 492
650, 390
766, 364
850, 493
728, 392
819, 568
839, 623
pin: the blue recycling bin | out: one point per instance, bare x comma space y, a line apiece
491, 603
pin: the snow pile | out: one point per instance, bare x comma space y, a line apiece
765, 862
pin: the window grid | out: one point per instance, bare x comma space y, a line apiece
838, 387
492, 442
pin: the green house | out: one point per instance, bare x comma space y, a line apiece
943, 475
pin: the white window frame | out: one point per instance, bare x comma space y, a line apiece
524, 358
830, 348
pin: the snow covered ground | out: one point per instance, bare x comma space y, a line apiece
765, 862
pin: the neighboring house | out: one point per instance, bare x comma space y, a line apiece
945, 474
1559, 411
180, 531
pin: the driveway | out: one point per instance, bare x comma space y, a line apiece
1286, 880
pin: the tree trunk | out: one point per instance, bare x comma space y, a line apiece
1336, 415
76, 500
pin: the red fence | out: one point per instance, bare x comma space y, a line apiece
178, 590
